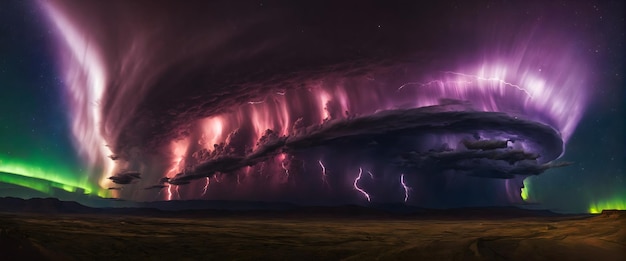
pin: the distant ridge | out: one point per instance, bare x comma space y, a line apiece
42, 205
268, 209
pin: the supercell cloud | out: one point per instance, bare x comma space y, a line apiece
319, 101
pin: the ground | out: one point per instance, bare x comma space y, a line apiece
106, 237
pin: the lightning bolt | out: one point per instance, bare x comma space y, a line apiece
437, 82
419, 84
356, 185
323, 172
282, 164
371, 174
206, 186
480, 78
255, 102
169, 192
177, 192
406, 188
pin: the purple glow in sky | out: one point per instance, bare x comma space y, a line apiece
218, 95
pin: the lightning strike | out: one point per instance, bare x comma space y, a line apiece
406, 188
206, 186
282, 164
496, 79
177, 192
169, 192
356, 185
419, 84
323, 172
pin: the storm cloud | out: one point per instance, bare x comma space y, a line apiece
259, 96
125, 177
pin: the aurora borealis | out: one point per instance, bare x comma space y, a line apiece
267, 101
35, 149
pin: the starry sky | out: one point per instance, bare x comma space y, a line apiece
39, 148
597, 147
34, 139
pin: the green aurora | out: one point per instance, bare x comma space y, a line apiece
45, 180
36, 150
525, 189
617, 202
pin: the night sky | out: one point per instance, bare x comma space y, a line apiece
34, 133
126, 100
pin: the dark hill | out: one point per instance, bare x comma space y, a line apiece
197, 208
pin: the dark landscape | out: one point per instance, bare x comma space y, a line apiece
48, 229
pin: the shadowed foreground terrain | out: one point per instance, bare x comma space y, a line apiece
132, 237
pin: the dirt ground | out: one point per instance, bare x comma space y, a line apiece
93, 237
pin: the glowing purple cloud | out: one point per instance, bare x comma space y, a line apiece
207, 108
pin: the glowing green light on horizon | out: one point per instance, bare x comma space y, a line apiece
614, 203
25, 182
49, 179
525, 189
